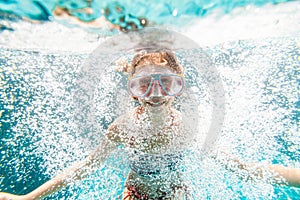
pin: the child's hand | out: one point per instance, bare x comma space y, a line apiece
7, 196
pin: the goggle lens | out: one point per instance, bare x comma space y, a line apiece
173, 85
139, 86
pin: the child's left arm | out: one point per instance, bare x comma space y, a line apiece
291, 175
280, 174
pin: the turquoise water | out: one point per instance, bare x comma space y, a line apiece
157, 12
39, 137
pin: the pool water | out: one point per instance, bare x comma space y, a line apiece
165, 11
39, 137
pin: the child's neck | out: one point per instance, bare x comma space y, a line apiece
158, 115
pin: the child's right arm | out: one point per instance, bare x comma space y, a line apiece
76, 172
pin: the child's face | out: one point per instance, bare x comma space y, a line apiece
155, 86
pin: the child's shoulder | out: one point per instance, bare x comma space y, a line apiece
117, 130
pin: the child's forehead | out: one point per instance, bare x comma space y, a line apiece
153, 69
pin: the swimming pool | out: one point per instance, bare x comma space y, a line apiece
38, 138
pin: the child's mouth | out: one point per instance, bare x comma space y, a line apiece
156, 104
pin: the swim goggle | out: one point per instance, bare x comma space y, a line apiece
141, 86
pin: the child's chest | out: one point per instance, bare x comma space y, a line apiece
150, 137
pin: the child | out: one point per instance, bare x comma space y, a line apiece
153, 134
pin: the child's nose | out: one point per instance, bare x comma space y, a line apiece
156, 89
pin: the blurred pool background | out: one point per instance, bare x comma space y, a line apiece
254, 45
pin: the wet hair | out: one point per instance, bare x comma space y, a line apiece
165, 58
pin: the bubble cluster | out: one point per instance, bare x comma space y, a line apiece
37, 133
45, 125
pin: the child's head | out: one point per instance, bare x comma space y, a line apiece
155, 77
